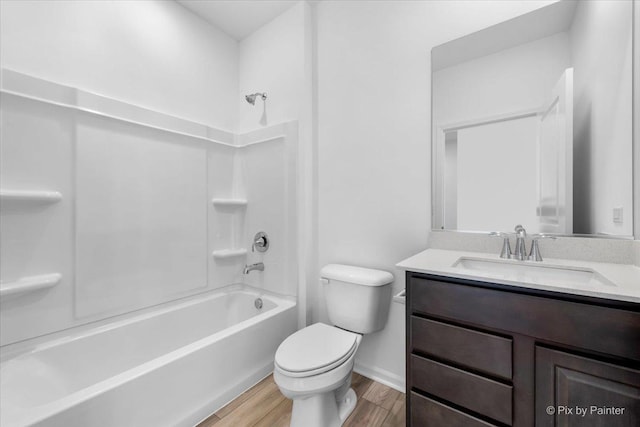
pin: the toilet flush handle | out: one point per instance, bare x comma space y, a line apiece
324, 281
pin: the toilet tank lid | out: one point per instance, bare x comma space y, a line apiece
356, 275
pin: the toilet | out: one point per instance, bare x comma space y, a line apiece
313, 366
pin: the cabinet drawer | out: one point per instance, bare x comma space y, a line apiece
591, 327
477, 350
479, 394
427, 412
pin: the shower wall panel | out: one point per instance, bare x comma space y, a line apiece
141, 216
135, 224
269, 174
36, 146
140, 220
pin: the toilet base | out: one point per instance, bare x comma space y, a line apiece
348, 404
323, 410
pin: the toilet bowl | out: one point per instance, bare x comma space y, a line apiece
313, 366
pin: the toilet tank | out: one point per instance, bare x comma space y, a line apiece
358, 299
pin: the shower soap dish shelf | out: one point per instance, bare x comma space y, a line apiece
36, 197
29, 284
235, 203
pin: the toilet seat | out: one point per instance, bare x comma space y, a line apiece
314, 350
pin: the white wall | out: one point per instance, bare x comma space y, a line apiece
272, 60
374, 139
602, 121
155, 54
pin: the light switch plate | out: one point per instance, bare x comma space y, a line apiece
617, 215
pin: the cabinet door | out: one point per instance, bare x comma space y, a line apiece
576, 391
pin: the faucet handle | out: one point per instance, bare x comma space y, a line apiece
506, 246
260, 242
534, 254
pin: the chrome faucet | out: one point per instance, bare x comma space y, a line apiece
259, 266
521, 247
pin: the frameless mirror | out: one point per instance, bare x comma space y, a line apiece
532, 123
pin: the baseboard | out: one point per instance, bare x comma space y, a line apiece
382, 376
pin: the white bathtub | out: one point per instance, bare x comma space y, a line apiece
170, 366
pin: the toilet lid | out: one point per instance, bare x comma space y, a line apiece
315, 347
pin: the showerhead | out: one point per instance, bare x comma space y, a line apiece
251, 99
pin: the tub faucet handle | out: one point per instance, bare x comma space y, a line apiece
260, 242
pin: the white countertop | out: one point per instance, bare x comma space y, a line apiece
624, 278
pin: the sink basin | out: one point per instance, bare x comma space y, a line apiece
528, 271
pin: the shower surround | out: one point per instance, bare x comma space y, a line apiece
148, 209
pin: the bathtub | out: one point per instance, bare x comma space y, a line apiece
169, 366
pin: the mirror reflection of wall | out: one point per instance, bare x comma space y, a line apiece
532, 123
468, 205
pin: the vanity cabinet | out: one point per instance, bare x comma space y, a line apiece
482, 354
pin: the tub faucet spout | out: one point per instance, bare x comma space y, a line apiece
257, 266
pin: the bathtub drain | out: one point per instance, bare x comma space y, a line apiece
258, 303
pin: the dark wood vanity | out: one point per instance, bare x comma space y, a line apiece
482, 354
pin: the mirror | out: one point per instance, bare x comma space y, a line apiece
532, 123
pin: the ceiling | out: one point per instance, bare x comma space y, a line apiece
238, 18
